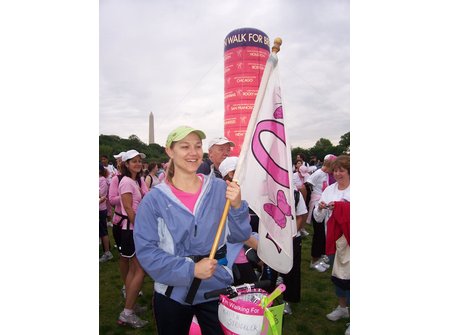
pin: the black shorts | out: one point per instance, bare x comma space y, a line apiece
343, 284
117, 233
126, 247
103, 228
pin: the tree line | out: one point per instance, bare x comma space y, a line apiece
110, 145
324, 147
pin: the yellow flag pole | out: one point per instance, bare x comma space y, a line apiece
215, 245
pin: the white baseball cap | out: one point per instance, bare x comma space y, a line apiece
220, 141
227, 165
131, 154
119, 155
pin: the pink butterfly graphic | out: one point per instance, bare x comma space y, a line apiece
279, 211
278, 114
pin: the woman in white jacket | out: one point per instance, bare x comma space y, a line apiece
338, 192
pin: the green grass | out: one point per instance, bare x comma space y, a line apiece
308, 318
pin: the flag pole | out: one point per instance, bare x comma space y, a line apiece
275, 48
262, 88
271, 62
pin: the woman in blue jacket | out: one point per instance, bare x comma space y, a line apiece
175, 228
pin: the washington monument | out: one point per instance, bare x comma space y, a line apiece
151, 129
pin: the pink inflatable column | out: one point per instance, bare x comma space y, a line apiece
245, 55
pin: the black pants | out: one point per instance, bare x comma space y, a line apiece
292, 279
244, 273
173, 318
269, 274
318, 240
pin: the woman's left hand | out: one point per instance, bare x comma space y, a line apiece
233, 193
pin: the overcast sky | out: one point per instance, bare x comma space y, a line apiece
166, 57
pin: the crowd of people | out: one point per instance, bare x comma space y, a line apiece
165, 216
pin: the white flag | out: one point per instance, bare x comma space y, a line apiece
264, 172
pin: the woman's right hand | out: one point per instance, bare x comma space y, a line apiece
205, 268
322, 205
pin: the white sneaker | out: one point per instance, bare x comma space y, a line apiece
325, 258
303, 232
287, 308
338, 313
347, 331
132, 320
325, 265
279, 281
316, 265
106, 257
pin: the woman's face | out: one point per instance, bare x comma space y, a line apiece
298, 164
187, 154
134, 165
341, 175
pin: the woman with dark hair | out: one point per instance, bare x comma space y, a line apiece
132, 189
334, 208
151, 179
175, 229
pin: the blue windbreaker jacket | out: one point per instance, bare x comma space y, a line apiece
166, 233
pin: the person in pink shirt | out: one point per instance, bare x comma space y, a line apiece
162, 172
118, 219
132, 189
112, 171
103, 213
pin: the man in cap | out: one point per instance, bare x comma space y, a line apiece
218, 149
